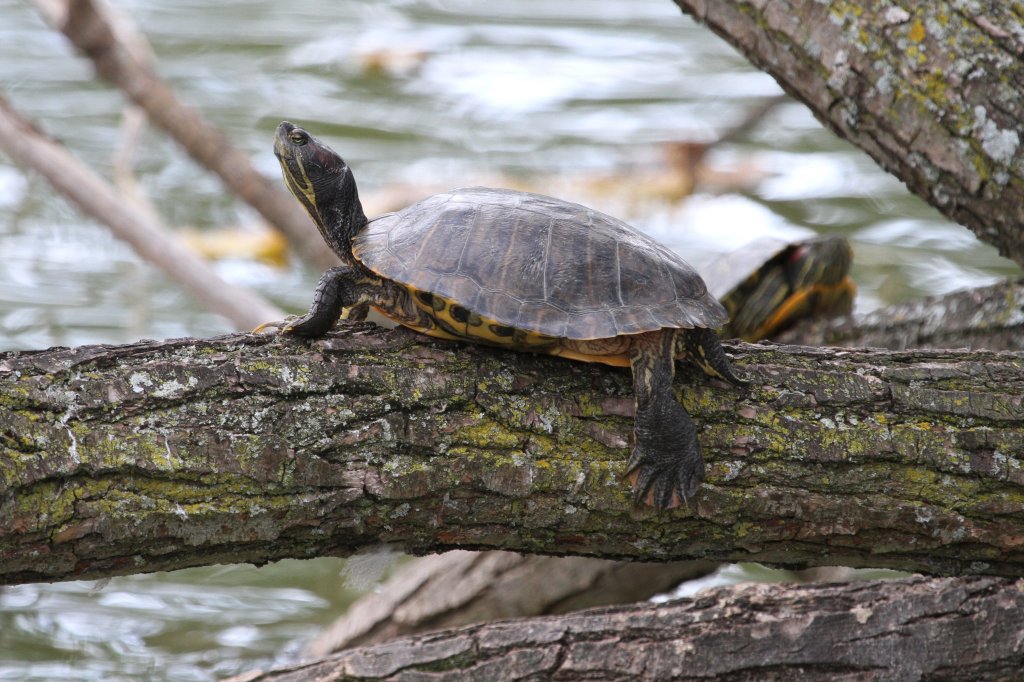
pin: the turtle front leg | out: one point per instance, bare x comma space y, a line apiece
341, 289
666, 466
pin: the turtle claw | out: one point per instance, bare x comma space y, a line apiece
665, 480
308, 326
282, 326
704, 349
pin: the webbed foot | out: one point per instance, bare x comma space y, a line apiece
666, 466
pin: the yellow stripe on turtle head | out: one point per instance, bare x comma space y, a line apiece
299, 184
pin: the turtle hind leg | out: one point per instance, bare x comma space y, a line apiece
666, 465
703, 348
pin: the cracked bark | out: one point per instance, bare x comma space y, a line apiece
989, 318
910, 629
932, 91
162, 455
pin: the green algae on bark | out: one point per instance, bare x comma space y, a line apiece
160, 455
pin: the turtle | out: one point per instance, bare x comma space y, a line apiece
770, 284
526, 272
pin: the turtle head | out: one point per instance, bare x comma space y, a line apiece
323, 183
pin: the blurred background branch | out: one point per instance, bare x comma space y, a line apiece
89, 26
137, 226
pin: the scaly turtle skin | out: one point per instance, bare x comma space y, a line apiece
526, 272
770, 284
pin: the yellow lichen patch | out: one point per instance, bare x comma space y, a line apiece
917, 32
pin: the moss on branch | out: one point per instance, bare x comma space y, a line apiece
161, 455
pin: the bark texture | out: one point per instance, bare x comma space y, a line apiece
989, 318
933, 91
161, 455
911, 629
462, 588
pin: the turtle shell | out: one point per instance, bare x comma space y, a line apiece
770, 284
538, 264
732, 269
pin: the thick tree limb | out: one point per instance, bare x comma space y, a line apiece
89, 28
933, 91
989, 317
912, 629
462, 588
162, 455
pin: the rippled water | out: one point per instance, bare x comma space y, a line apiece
573, 98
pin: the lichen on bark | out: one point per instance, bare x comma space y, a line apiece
162, 455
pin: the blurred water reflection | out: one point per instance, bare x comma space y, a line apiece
576, 98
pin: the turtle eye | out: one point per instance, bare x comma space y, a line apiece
298, 137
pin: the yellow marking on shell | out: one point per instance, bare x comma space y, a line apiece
479, 329
429, 331
817, 299
474, 327
613, 360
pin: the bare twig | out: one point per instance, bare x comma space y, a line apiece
32, 148
88, 24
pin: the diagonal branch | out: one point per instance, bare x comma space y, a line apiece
89, 27
140, 228
932, 91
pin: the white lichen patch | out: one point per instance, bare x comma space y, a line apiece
174, 387
861, 613
935, 28
731, 470
1000, 144
1006, 464
896, 15
140, 381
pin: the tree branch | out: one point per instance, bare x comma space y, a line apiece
141, 229
89, 28
934, 92
460, 588
989, 317
161, 455
911, 629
